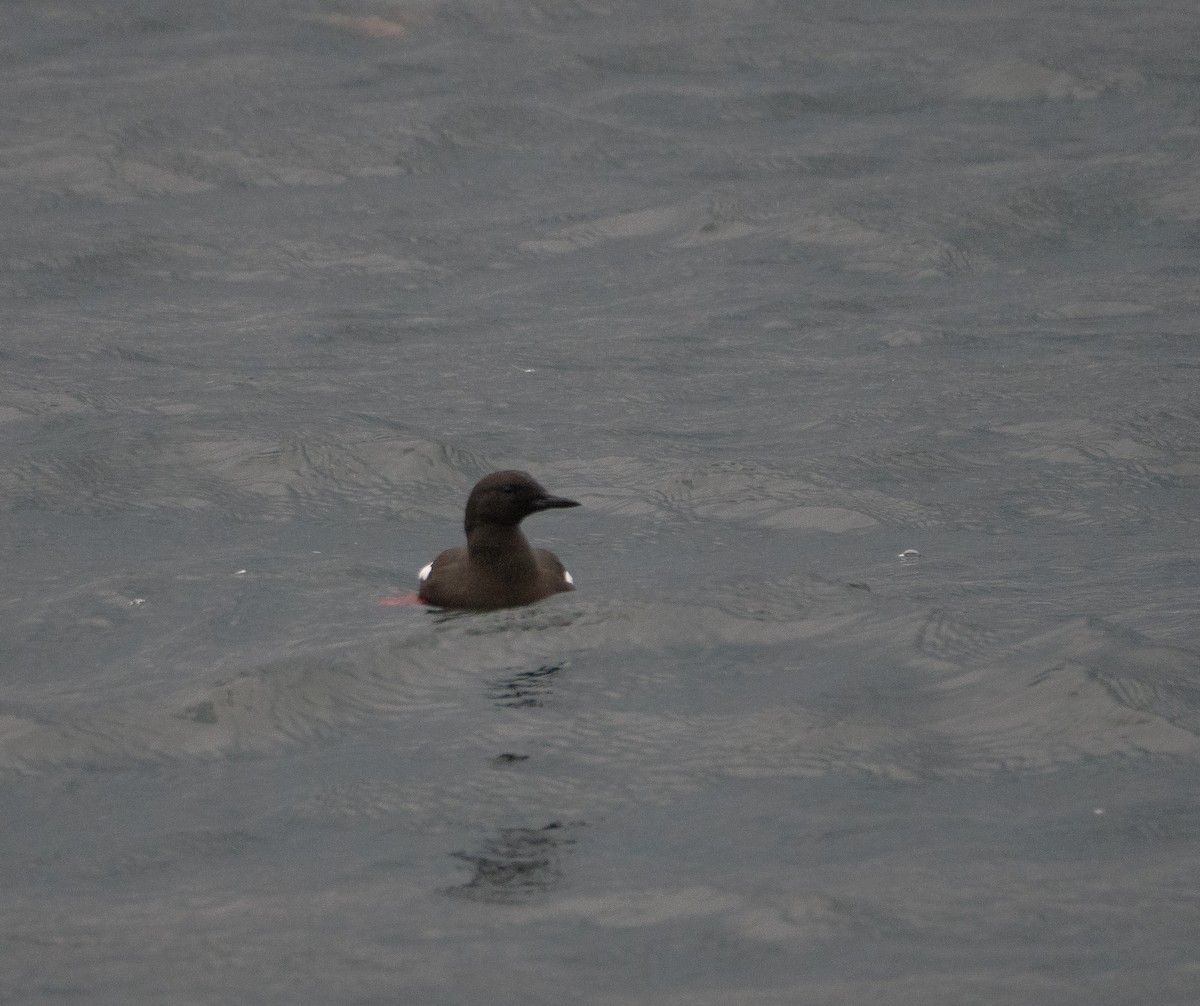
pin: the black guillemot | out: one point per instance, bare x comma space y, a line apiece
497, 568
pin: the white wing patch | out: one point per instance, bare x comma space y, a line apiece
425, 571
569, 578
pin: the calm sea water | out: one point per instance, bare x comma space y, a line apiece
778, 291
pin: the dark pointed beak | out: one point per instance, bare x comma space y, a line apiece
553, 503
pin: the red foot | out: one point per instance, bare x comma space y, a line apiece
405, 599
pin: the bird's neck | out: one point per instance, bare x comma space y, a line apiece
499, 545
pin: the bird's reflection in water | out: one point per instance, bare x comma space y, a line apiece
519, 689
516, 864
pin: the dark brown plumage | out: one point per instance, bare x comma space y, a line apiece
497, 568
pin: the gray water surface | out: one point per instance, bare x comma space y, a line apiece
778, 292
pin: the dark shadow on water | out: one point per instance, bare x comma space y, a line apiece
524, 688
515, 865
508, 758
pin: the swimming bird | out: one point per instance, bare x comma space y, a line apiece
497, 568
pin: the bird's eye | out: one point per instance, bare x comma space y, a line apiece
509, 487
